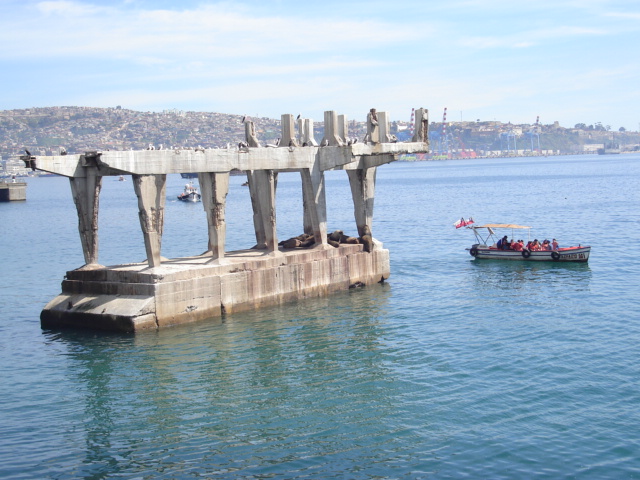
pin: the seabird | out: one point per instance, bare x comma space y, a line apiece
28, 152
325, 142
63, 151
298, 117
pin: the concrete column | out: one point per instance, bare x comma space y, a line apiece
305, 127
288, 131
315, 205
373, 132
343, 128
250, 134
86, 192
383, 125
265, 182
363, 185
331, 133
151, 193
214, 188
421, 126
258, 224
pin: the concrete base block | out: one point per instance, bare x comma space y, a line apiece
136, 297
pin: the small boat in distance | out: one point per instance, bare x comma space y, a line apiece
190, 193
490, 245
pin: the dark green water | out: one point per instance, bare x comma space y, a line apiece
457, 368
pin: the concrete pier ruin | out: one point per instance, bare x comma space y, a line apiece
160, 292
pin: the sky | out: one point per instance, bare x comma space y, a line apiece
513, 61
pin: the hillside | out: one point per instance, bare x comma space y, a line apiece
78, 129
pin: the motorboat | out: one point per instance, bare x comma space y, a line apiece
190, 193
490, 244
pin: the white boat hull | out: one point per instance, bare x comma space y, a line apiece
571, 254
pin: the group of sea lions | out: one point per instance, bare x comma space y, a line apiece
334, 239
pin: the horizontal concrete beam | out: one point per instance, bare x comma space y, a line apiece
155, 162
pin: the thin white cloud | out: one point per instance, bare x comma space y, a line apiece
529, 38
72, 29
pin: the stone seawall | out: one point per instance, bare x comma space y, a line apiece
134, 297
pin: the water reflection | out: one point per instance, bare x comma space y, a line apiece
308, 379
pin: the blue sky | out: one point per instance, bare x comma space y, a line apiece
563, 60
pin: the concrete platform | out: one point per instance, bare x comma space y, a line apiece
13, 192
135, 297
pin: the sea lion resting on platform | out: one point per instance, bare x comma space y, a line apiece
303, 240
335, 236
366, 239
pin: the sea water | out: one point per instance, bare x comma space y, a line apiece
454, 368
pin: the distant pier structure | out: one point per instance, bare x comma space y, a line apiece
13, 191
160, 292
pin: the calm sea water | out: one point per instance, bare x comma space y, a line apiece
456, 368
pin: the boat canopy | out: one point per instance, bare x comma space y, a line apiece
499, 225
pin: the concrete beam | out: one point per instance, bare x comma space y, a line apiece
214, 188
151, 193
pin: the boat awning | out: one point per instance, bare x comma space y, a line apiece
499, 225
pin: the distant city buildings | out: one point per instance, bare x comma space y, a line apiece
46, 131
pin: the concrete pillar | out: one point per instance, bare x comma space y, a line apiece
151, 193
373, 132
384, 128
214, 188
363, 185
263, 199
288, 138
305, 127
86, 192
422, 126
331, 133
343, 128
250, 134
315, 205
258, 225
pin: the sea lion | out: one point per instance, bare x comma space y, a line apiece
291, 243
333, 243
366, 239
309, 242
350, 240
335, 236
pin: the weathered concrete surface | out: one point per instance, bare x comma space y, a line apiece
135, 297
13, 192
163, 292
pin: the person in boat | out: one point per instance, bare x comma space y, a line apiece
529, 245
502, 244
517, 246
546, 245
554, 245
